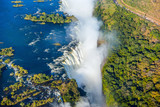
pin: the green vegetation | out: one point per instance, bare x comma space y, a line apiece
7, 61
41, 1
11, 74
68, 90
57, 44
54, 18
38, 1
16, 1
41, 78
150, 7
20, 71
1, 67
17, 98
37, 103
18, 5
18, 92
43, 23
14, 87
8, 102
35, 94
131, 75
7, 52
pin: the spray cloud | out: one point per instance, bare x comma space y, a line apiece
88, 74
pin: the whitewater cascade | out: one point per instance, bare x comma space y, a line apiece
72, 61
83, 62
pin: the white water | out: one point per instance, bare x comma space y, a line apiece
73, 60
84, 62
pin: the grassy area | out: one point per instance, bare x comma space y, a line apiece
131, 74
149, 7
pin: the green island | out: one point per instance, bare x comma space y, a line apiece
57, 44
4, 53
18, 92
7, 61
19, 71
68, 89
14, 87
7, 52
16, 1
18, 5
39, 1
54, 18
131, 76
40, 78
16, 98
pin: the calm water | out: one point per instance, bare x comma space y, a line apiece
32, 42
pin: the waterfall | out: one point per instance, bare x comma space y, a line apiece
83, 57
73, 60
84, 63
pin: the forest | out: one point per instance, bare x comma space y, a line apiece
131, 74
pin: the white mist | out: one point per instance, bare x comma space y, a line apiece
88, 74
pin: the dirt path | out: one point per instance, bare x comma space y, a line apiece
140, 13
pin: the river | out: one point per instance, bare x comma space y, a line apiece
32, 42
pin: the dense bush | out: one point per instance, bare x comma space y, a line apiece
131, 74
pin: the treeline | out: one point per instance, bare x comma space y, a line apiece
131, 75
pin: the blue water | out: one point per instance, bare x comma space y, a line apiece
18, 33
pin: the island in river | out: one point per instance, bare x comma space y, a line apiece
54, 18
32, 86
26, 78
